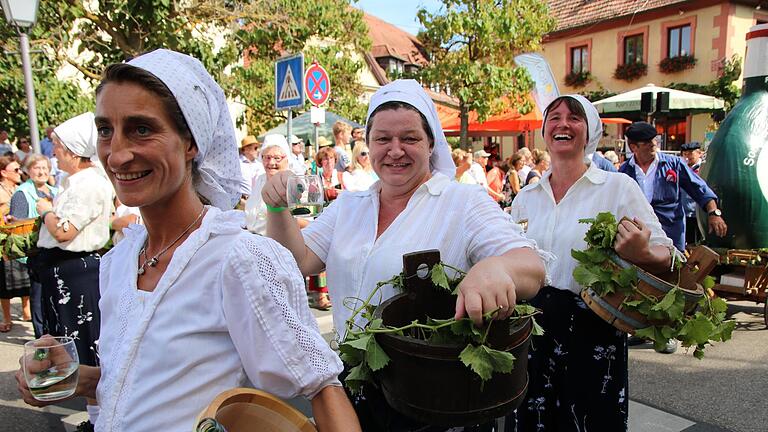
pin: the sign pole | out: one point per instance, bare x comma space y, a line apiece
290, 120
317, 137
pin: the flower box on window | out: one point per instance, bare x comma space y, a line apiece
630, 72
578, 79
677, 64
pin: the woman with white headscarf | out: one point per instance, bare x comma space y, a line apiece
578, 369
361, 237
74, 227
192, 304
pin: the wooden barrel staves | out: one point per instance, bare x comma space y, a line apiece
246, 409
611, 308
20, 227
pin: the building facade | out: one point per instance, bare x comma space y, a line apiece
614, 46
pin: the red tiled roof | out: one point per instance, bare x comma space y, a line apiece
577, 13
394, 40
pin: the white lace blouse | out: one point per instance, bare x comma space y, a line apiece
229, 311
459, 220
556, 227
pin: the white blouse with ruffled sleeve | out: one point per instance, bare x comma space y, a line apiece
229, 311
459, 220
556, 227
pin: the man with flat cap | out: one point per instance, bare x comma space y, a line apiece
691, 154
663, 179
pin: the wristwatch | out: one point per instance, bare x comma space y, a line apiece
715, 212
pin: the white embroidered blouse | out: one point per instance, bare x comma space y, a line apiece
459, 220
556, 227
229, 311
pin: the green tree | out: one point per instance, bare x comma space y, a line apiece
472, 44
56, 100
722, 87
329, 31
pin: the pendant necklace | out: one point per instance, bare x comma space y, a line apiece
152, 262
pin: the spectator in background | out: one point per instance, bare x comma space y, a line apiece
361, 176
495, 178
333, 181
541, 163
24, 150
522, 173
5, 143
46, 145
601, 162
296, 162
691, 154
511, 182
477, 169
24, 206
613, 158
12, 282
358, 134
463, 162
341, 136
250, 166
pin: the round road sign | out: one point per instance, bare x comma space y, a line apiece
317, 84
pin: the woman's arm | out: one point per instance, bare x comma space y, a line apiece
498, 282
50, 220
121, 222
333, 412
514, 182
88, 379
282, 227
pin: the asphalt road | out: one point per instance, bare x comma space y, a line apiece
727, 391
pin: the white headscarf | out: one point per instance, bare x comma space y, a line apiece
205, 109
275, 140
594, 124
78, 134
412, 93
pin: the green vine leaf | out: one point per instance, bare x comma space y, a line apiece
484, 361
375, 355
439, 278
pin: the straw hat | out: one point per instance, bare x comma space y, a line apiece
248, 140
323, 142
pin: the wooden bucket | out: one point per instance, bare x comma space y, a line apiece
251, 410
611, 309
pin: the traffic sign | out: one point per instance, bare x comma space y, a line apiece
317, 84
289, 87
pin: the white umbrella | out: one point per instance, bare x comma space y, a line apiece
678, 100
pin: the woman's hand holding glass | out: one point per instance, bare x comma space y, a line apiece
486, 289
49, 370
275, 191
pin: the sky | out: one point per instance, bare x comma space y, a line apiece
401, 13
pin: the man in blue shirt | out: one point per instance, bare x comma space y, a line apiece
663, 178
46, 145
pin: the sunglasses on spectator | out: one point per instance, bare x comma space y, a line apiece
17, 169
363, 153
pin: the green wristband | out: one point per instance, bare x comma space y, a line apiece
45, 213
274, 209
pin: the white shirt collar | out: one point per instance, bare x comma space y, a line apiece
434, 186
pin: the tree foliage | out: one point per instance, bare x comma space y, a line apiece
56, 99
91, 35
472, 44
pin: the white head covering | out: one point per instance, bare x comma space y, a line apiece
594, 124
78, 134
412, 93
275, 140
205, 109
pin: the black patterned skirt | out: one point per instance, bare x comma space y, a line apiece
70, 298
577, 371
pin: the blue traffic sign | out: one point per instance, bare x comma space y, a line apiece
289, 82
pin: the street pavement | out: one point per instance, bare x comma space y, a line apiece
725, 392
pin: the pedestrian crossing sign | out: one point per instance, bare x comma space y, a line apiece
289, 82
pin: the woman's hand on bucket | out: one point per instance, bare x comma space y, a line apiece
486, 289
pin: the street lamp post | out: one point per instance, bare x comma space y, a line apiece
22, 14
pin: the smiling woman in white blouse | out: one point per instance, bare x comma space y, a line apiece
192, 304
361, 237
578, 369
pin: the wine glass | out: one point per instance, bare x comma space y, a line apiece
51, 367
305, 191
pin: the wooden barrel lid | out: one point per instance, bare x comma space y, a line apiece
246, 410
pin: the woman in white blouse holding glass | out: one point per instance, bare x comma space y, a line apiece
360, 238
75, 227
578, 369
